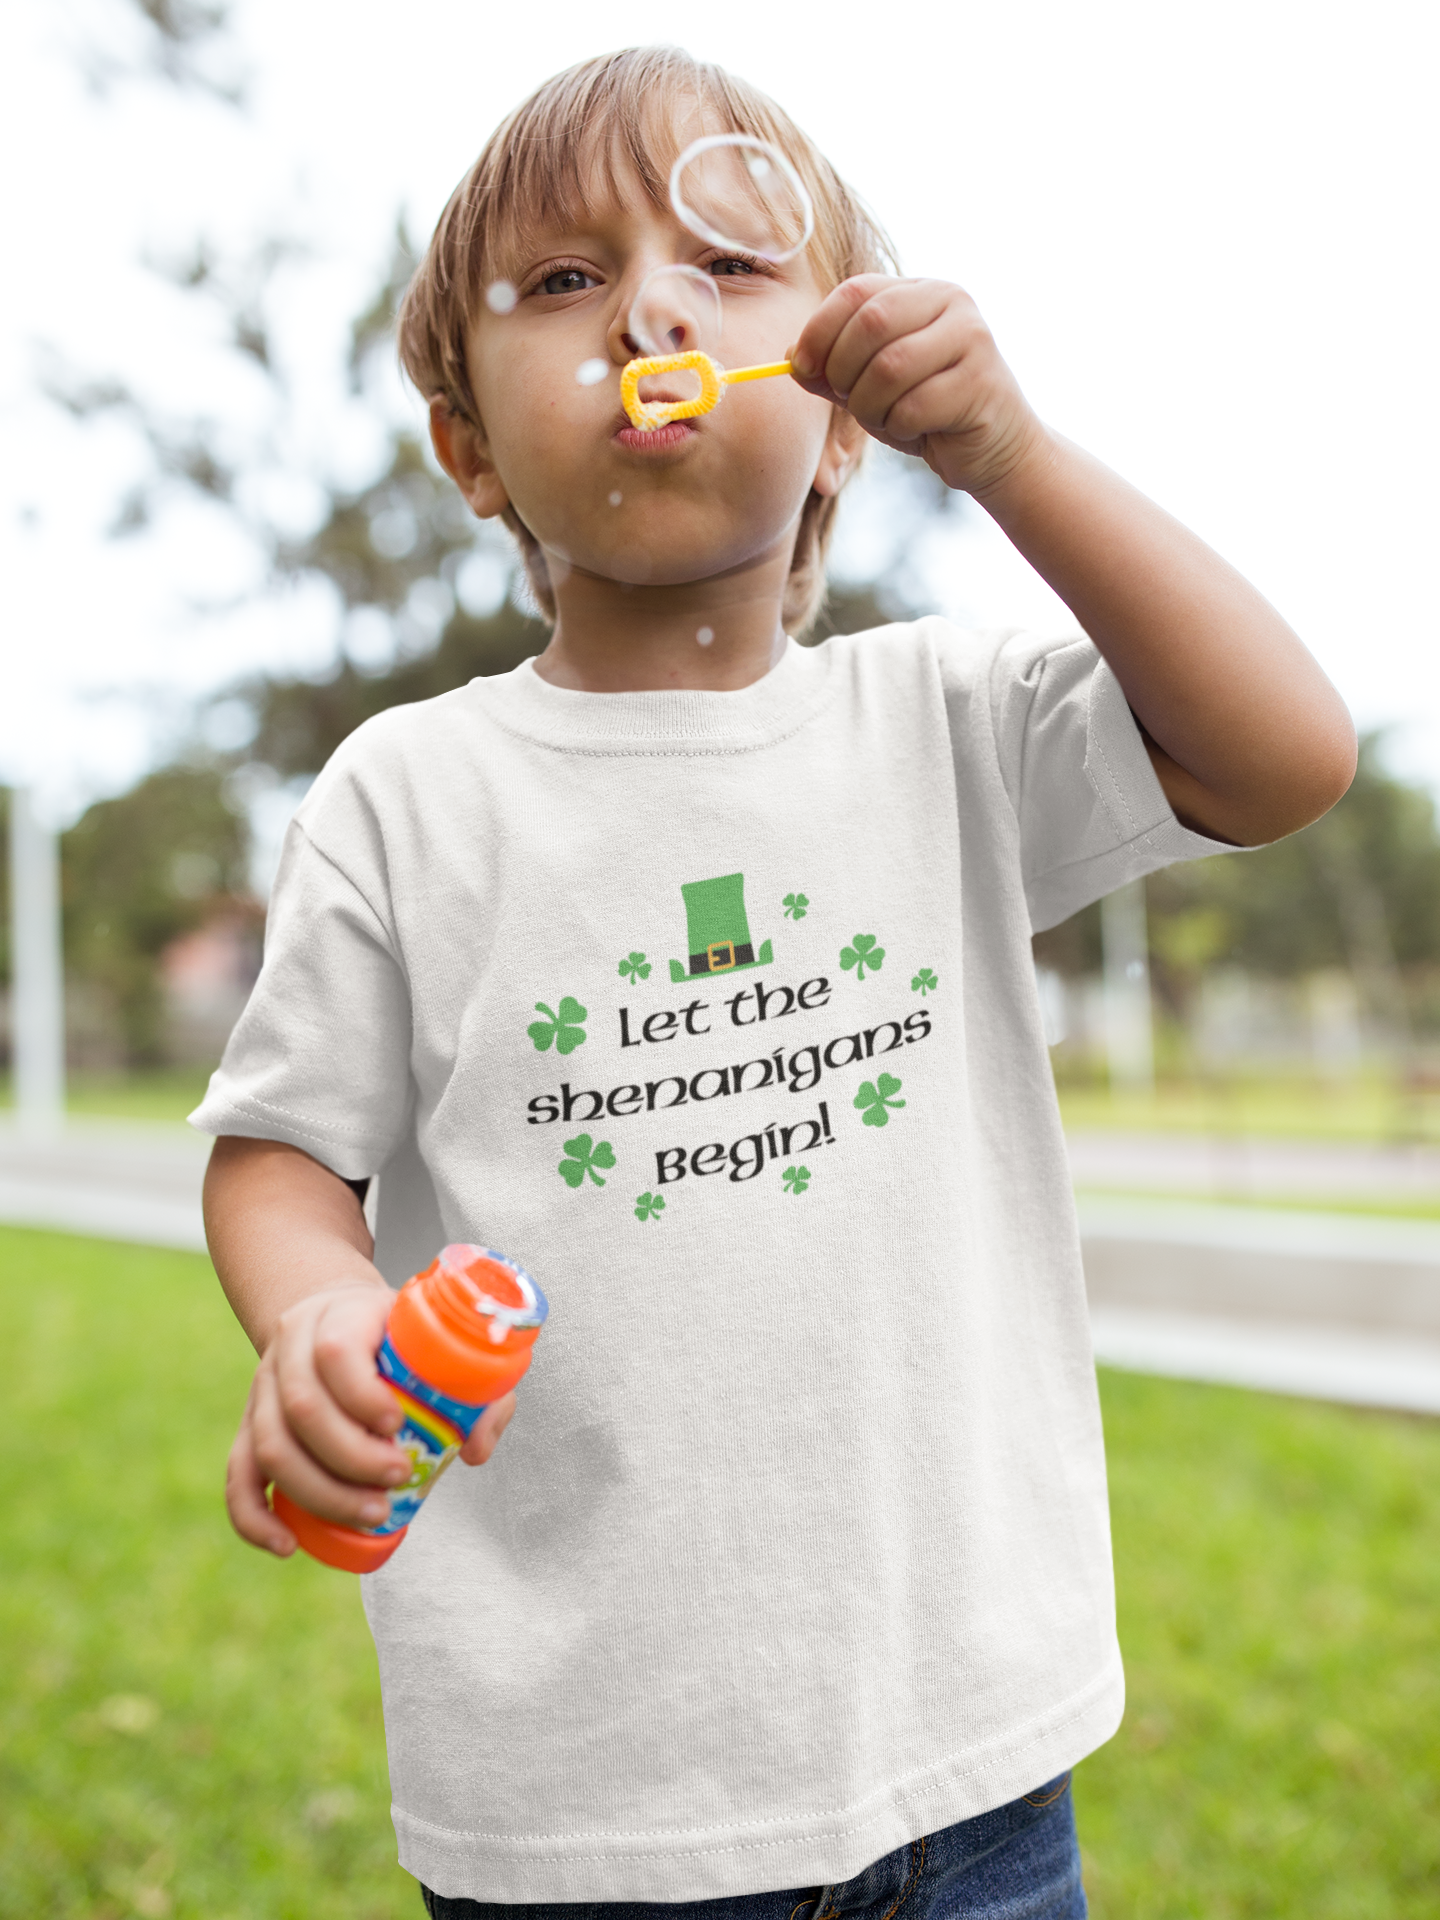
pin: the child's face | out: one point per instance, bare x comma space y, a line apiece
691, 502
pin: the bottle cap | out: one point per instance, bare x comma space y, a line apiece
495, 1288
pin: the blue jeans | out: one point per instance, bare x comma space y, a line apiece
1019, 1862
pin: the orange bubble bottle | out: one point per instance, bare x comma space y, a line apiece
459, 1336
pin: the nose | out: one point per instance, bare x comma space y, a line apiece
659, 305
678, 338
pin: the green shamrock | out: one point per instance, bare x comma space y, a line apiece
649, 1206
637, 967
563, 1028
584, 1158
924, 982
875, 1100
863, 953
795, 1179
795, 905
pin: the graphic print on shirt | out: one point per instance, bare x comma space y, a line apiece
565, 1026
583, 1156
863, 953
791, 1101
719, 933
874, 1100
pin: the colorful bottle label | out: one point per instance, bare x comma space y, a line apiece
432, 1433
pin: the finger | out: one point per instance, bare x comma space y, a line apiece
324, 1429
820, 389
282, 1460
486, 1432
947, 403
886, 327
245, 1500
892, 309
346, 1339
818, 336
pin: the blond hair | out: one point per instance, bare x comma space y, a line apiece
619, 110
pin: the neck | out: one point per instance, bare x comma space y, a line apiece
714, 635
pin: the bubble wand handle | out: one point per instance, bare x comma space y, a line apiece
767, 372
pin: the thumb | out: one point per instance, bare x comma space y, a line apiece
485, 1434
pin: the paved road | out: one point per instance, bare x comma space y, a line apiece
1332, 1306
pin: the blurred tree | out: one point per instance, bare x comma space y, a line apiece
185, 42
429, 598
136, 873
1358, 889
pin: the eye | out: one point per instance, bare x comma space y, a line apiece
568, 280
731, 263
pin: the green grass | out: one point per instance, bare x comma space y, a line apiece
1385, 1207
188, 1729
1279, 1589
1299, 1109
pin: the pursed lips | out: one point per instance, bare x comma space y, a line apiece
660, 397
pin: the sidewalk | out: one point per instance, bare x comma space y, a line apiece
1332, 1306
115, 1179
1221, 1167
1326, 1305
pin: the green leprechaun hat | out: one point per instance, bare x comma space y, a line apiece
718, 929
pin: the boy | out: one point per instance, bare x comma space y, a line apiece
692, 969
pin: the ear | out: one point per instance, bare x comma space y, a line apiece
837, 456
462, 450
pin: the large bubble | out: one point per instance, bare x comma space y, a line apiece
677, 310
736, 191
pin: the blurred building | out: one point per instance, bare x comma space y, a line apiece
207, 976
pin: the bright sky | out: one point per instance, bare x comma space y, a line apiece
1205, 239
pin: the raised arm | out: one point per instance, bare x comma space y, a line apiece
292, 1250
1249, 739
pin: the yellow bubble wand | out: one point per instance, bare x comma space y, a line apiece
646, 415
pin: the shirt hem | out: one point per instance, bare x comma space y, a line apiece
252, 1119
725, 1861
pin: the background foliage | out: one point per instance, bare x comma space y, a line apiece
425, 599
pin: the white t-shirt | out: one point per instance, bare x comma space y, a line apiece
717, 1012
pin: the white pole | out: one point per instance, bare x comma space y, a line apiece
37, 997
1129, 1041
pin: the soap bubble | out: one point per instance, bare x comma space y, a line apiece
705, 636
501, 297
590, 372
677, 310
616, 498
736, 191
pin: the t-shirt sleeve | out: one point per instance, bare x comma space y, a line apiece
321, 1055
1091, 810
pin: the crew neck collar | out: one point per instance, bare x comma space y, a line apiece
664, 721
